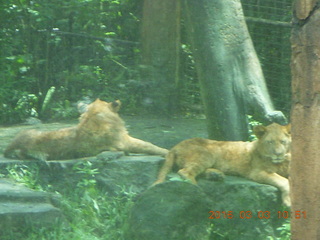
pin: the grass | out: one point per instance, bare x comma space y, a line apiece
91, 213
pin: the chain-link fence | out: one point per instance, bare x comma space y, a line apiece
269, 23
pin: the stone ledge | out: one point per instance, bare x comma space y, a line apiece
21, 208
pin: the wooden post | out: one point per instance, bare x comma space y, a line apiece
305, 166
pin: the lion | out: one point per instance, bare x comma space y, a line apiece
100, 129
259, 160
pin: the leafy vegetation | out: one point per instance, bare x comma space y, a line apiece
91, 213
284, 232
90, 48
28, 176
81, 48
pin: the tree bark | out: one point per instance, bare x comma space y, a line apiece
305, 166
160, 54
231, 79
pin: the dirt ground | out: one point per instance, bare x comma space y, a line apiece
160, 131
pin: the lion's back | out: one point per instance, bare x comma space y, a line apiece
229, 157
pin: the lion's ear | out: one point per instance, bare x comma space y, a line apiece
116, 105
259, 131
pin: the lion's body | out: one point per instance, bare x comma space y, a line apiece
100, 129
259, 160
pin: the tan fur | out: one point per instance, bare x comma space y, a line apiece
259, 160
100, 129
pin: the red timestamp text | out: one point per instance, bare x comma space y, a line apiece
257, 215
221, 214
294, 214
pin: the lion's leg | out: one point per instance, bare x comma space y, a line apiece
191, 171
214, 174
134, 145
197, 161
276, 180
284, 168
184, 173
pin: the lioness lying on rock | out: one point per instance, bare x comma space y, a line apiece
259, 160
100, 129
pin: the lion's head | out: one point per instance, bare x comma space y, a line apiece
273, 142
100, 114
102, 106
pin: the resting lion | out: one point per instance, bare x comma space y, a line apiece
100, 129
259, 160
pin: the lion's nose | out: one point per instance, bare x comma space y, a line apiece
278, 153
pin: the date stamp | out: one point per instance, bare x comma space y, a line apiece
257, 215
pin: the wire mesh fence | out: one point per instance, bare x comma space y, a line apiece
269, 23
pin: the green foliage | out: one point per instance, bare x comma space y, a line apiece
26, 175
284, 232
89, 48
252, 124
63, 110
24, 106
43, 45
91, 213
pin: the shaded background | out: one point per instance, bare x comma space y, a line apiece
88, 49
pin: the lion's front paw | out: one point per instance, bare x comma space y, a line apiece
286, 199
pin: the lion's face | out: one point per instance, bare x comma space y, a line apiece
274, 142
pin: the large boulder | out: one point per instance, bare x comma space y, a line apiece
235, 208
133, 173
172, 210
242, 209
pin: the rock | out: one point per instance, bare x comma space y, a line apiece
240, 210
253, 207
22, 209
108, 156
133, 173
32, 121
172, 210
277, 117
117, 172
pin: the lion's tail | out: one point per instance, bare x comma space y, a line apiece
166, 168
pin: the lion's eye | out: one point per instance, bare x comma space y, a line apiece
283, 141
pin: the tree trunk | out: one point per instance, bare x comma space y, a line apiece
160, 54
231, 79
305, 166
